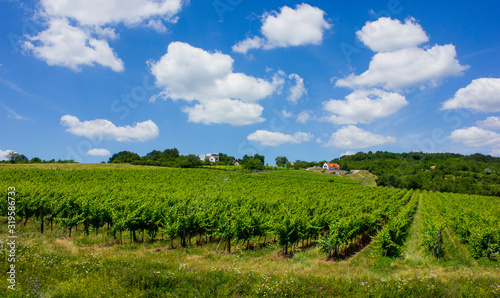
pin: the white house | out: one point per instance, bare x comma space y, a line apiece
209, 157
331, 166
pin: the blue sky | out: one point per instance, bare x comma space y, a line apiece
309, 80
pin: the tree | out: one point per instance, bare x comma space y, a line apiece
190, 161
171, 153
35, 160
14, 157
124, 157
154, 155
225, 159
281, 161
261, 157
253, 164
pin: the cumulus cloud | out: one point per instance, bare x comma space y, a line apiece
98, 152
304, 116
223, 96
233, 112
273, 139
290, 27
495, 152
386, 34
490, 122
297, 90
78, 31
65, 45
287, 114
4, 154
100, 13
475, 137
364, 106
104, 129
189, 73
352, 137
348, 153
482, 95
407, 68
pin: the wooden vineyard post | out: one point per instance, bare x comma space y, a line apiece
183, 240
438, 245
41, 218
229, 237
488, 250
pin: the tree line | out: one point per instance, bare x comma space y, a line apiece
172, 158
14, 157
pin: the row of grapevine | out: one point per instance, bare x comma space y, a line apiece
391, 237
347, 232
433, 226
475, 219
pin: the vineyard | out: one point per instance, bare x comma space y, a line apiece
282, 214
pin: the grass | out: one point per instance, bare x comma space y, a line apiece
365, 176
92, 266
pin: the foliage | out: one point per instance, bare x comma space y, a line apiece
281, 161
476, 220
444, 172
391, 237
124, 157
253, 164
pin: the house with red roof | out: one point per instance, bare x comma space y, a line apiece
331, 166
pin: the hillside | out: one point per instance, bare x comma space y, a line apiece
444, 172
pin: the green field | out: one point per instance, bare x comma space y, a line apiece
131, 231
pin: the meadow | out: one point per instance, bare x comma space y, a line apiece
134, 231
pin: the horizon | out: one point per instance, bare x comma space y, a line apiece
304, 79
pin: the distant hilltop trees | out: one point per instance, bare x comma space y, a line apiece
17, 158
172, 158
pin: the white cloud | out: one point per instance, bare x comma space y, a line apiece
298, 90
156, 25
12, 114
490, 122
348, 153
304, 116
223, 96
352, 137
482, 95
364, 106
287, 114
290, 27
273, 139
4, 155
78, 30
104, 129
100, 13
233, 112
190, 73
495, 152
475, 137
247, 44
64, 45
98, 152
407, 68
386, 34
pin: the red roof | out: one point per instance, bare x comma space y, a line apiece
333, 165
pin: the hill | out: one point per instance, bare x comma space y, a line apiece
444, 172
